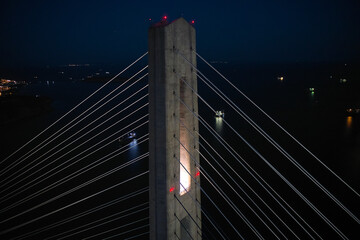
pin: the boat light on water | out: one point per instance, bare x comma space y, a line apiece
128, 136
343, 80
352, 111
220, 114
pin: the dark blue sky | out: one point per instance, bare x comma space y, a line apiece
60, 32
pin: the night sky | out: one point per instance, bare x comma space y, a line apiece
255, 31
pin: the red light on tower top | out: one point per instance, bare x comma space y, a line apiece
171, 189
165, 17
192, 22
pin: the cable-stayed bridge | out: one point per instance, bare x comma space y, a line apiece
126, 163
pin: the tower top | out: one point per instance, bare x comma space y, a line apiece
164, 22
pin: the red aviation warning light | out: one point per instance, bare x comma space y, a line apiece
192, 22
197, 173
164, 19
171, 189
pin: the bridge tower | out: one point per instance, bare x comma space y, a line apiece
172, 189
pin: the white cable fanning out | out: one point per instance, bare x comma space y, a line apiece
72, 204
82, 185
216, 187
243, 189
43, 144
72, 158
84, 227
97, 126
274, 143
76, 173
232, 151
75, 107
247, 167
235, 182
119, 234
282, 128
263, 213
138, 235
246, 203
82, 214
34, 182
60, 132
117, 228
100, 224
120, 167
319, 213
219, 210
225, 196
112, 220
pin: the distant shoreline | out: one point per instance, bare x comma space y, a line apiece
104, 79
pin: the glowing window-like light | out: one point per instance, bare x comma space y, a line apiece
185, 178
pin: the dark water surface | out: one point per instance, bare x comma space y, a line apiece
319, 120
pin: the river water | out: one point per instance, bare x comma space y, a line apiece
318, 118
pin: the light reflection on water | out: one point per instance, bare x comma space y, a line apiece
349, 126
311, 97
134, 149
349, 121
219, 125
